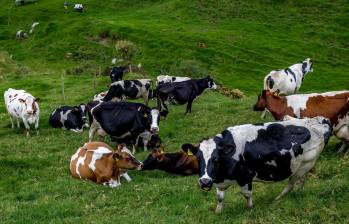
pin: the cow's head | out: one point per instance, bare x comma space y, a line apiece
30, 107
263, 99
307, 66
83, 112
116, 90
154, 142
154, 120
154, 159
214, 157
210, 83
125, 158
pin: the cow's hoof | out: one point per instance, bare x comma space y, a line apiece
219, 209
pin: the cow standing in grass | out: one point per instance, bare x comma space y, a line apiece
263, 152
332, 105
22, 106
182, 92
133, 89
287, 81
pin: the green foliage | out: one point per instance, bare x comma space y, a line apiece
238, 42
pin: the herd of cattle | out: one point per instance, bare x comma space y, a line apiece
274, 151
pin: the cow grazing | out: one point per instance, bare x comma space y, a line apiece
182, 162
182, 92
133, 89
116, 73
98, 162
70, 118
332, 105
162, 79
23, 106
263, 152
289, 80
123, 120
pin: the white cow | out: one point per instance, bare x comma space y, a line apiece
161, 79
287, 81
22, 105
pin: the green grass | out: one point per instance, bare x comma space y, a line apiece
244, 41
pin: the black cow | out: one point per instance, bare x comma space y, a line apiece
182, 92
264, 152
70, 118
133, 89
123, 120
116, 73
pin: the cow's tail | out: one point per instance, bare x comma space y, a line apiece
269, 83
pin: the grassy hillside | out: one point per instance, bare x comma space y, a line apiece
238, 42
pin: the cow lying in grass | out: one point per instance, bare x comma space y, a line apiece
332, 105
182, 162
271, 152
70, 118
98, 162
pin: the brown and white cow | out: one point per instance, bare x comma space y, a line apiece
98, 162
332, 105
23, 106
182, 162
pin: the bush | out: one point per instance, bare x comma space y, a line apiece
126, 50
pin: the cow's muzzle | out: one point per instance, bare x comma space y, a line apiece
154, 129
205, 184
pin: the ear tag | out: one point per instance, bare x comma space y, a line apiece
145, 115
162, 151
190, 153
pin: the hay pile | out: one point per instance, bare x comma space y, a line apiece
231, 93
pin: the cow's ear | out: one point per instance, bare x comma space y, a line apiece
116, 155
190, 149
21, 100
226, 144
37, 99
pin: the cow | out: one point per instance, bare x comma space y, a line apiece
267, 152
98, 162
133, 89
123, 120
182, 162
182, 92
148, 140
116, 73
21, 105
287, 81
327, 104
72, 118
162, 79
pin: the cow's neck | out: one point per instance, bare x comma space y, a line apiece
201, 86
277, 106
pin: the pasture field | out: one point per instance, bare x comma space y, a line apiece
238, 42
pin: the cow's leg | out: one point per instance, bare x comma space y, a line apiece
246, 191
92, 131
220, 200
126, 176
18, 123
27, 127
12, 124
343, 146
114, 183
264, 113
37, 126
302, 182
189, 105
146, 97
288, 188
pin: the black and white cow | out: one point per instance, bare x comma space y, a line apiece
70, 118
133, 89
125, 121
262, 152
182, 92
116, 73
